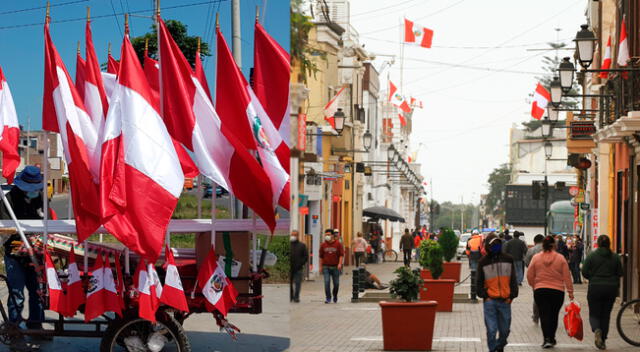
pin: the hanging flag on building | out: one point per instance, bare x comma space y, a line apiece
216, 286
9, 131
149, 166
75, 293
173, 292
623, 45
606, 62
415, 103
541, 99
331, 108
397, 99
63, 112
417, 34
56, 295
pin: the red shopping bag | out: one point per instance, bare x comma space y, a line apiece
572, 321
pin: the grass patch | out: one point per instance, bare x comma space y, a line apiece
187, 208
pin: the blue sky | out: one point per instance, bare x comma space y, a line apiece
21, 35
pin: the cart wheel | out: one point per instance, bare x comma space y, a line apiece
8, 333
132, 333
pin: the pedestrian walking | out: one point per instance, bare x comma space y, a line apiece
537, 248
517, 249
331, 256
497, 286
603, 269
474, 248
406, 246
417, 239
549, 276
575, 257
299, 258
359, 249
561, 247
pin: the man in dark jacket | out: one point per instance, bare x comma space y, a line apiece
299, 257
575, 257
517, 249
406, 245
496, 284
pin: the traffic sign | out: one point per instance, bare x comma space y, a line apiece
573, 191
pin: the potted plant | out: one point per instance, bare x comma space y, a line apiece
449, 243
407, 325
435, 288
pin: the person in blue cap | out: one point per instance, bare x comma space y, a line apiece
27, 202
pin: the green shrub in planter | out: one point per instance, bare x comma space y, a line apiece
448, 241
406, 285
431, 257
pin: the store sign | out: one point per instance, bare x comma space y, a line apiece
595, 222
302, 131
573, 190
582, 129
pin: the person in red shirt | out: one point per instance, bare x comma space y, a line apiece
331, 256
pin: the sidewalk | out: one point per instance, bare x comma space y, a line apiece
346, 326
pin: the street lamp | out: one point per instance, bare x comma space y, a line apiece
338, 120
548, 149
347, 168
552, 112
366, 140
566, 70
546, 127
585, 40
556, 91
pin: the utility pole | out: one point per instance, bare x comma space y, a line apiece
235, 30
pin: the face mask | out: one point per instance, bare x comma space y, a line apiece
293, 238
33, 194
327, 238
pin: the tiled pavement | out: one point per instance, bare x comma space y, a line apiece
346, 326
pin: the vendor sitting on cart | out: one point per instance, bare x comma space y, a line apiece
26, 200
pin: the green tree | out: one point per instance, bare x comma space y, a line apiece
498, 180
550, 66
188, 44
301, 52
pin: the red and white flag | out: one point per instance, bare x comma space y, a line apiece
56, 295
403, 121
623, 45
234, 97
80, 67
397, 99
216, 286
109, 77
417, 34
63, 111
173, 292
541, 99
94, 96
606, 62
138, 158
331, 108
149, 290
415, 103
9, 131
95, 305
198, 73
271, 76
113, 65
111, 298
191, 119
75, 295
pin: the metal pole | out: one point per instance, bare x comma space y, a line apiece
546, 199
235, 30
28, 138
45, 194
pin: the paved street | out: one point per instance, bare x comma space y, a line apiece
266, 332
352, 327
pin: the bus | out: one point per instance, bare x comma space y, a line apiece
560, 218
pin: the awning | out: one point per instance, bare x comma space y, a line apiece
382, 213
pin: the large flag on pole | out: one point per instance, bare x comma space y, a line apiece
271, 76
541, 99
331, 108
9, 131
140, 177
417, 34
235, 97
95, 96
80, 67
191, 119
397, 99
63, 111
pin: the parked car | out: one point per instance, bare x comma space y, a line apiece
462, 245
208, 191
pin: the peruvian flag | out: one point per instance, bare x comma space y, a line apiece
191, 119
172, 292
216, 286
331, 108
63, 111
149, 290
415, 103
109, 77
111, 298
623, 45
113, 66
235, 97
152, 72
80, 67
75, 293
541, 98
140, 175
198, 73
271, 76
417, 34
94, 95
9, 131
95, 305
56, 295
397, 99
403, 121
606, 62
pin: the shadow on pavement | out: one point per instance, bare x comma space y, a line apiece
211, 341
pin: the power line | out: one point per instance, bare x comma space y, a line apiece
467, 47
43, 7
381, 8
116, 17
